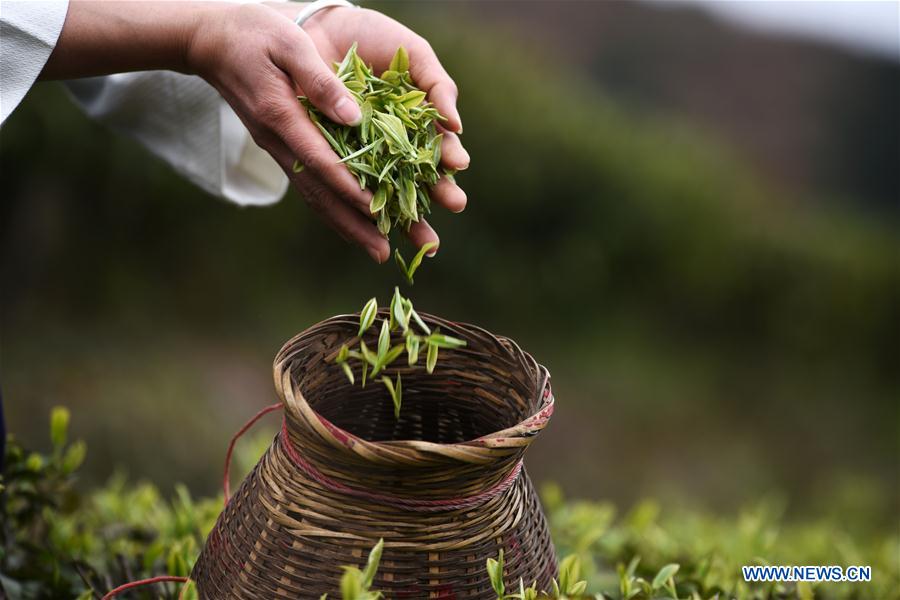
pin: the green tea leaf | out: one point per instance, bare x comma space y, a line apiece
372, 564
360, 152
59, 427
417, 259
342, 354
411, 99
664, 575
348, 372
74, 456
400, 61
370, 356
398, 258
379, 199
495, 574
408, 200
431, 357
351, 584
412, 348
444, 341
398, 314
395, 391
419, 321
367, 316
384, 339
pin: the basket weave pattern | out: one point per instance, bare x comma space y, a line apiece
443, 484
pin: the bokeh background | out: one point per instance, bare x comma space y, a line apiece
694, 225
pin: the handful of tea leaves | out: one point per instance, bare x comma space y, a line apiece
401, 318
396, 149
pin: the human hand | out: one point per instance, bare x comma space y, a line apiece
260, 60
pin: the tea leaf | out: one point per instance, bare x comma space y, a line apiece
400, 61
417, 259
370, 356
431, 357
348, 372
379, 199
495, 574
398, 314
396, 142
59, 427
419, 321
384, 339
664, 575
297, 166
444, 341
367, 316
395, 391
359, 152
342, 354
372, 564
411, 99
412, 348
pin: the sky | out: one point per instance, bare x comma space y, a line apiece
871, 26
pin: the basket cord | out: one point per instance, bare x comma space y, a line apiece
226, 478
161, 579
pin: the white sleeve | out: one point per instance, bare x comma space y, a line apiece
185, 121
178, 117
28, 34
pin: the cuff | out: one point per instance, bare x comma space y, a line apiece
29, 31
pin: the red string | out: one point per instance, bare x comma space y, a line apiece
134, 584
226, 479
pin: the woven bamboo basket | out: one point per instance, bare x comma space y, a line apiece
443, 485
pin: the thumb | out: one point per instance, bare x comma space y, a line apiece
300, 59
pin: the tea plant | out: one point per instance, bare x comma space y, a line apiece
403, 320
396, 149
58, 542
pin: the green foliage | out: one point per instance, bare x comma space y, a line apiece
401, 316
395, 150
410, 269
356, 584
59, 543
692, 554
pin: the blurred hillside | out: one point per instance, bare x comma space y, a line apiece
815, 118
716, 329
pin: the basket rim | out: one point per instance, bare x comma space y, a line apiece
487, 448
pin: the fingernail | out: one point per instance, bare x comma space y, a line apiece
433, 253
466, 161
465, 202
375, 254
348, 111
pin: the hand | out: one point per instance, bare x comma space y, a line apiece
259, 60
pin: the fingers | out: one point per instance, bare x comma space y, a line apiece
291, 124
449, 195
453, 155
429, 75
347, 222
298, 57
421, 233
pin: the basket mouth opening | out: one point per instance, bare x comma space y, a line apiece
468, 396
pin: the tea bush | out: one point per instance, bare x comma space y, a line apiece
60, 542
